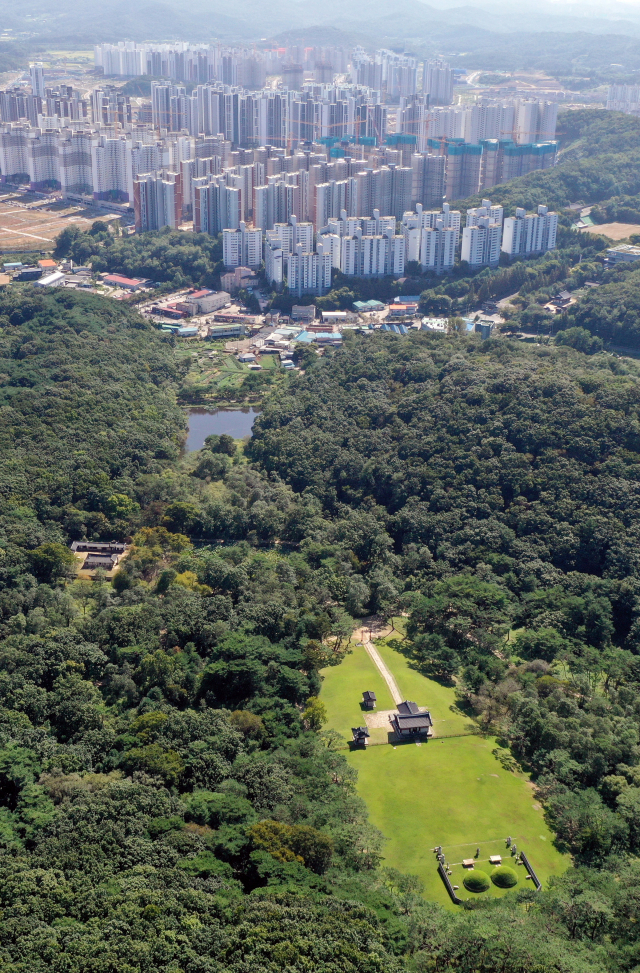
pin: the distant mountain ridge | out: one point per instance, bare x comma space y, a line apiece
489, 36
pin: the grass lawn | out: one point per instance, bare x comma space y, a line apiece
439, 698
448, 791
452, 793
342, 690
458, 873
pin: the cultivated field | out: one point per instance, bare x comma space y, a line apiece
36, 229
449, 791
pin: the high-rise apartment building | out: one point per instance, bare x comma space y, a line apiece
75, 162
495, 213
169, 107
36, 74
308, 273
437, 82
157, 200
242, 247
431, 237
535, 121
625, 98
526, 234
372, 255
463, 167
216, 205
428, 179
481, 243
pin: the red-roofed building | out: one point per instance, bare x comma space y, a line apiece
128, 283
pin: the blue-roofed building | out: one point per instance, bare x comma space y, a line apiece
305, 337
329, 338
364, 306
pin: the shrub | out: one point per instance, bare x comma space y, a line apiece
504, 877
476, 881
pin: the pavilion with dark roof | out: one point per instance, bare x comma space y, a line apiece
360, 735
411, 721
369, 699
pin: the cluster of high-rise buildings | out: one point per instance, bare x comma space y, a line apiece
369, 134
201, 63
296, 253
625, 98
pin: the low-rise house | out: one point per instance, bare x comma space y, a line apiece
623, 253
368, 306
51, 280
98, 547
229, 330
126, 283
398, 310
411, 721
329, 338
28, 274
105, 561
238, 278
303, 312
99, 554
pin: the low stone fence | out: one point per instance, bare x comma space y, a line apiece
529, 867
447, 883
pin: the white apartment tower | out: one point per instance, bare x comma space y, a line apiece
242, 247
495, 213
308, 273
437, 82
528, 234
481, 243
36, 73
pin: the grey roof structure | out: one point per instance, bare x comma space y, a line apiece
411, 719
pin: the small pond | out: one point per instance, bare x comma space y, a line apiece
234, 422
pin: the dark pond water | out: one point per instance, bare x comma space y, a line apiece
234, 422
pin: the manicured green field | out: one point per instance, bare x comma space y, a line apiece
449, 791
342, 691
439, 699
454, 793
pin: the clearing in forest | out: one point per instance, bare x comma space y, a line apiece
449, 791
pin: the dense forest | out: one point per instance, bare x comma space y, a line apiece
165, 256
504, 485
169, 800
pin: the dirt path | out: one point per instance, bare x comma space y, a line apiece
361, 635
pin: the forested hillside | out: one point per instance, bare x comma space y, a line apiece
169, 801
597, 160
501, 489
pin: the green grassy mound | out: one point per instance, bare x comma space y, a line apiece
476, 881
504, 877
